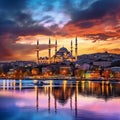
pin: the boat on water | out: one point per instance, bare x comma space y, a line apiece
41, 83
55, 82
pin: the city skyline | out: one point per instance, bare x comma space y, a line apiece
96, 24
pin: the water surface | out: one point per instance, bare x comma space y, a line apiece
59, 100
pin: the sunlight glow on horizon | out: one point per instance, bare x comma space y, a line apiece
84, 46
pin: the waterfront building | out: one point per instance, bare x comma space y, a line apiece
116, 71
65, 70
46, 70
35, 71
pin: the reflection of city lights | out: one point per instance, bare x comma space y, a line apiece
107, 90
35, 87
83, 86
20, 84
89, 83
77, 87
51, 82
14, 84
111, 87
64, 85
92, 86
35, 81
107, 82
7, 84
46, 89
103, 87
3, 84
11, 83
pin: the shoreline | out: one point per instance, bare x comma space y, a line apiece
68, 79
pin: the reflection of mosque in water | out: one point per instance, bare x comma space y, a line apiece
68, 92
103, 89
60, 94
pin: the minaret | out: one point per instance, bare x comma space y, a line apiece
49, 50
37, 51
55, 46
71, 48
76, 48
55, 50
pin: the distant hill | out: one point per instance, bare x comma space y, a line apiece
89, 58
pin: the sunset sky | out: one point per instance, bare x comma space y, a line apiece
96, 23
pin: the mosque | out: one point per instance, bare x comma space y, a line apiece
61, 55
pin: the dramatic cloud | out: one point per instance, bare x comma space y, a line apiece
97, 10
96, 20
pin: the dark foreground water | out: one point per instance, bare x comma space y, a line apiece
59, 100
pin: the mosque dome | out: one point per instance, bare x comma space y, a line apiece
63, 54
63, 49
